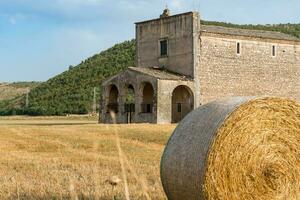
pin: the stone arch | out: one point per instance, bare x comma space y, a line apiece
147, 97
129, 102
129, 94
182, 102
113, 99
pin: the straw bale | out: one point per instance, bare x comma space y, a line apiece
235, 149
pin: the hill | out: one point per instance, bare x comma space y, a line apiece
12, 95
72, 91
12, 90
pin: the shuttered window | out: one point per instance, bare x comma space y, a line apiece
163, 47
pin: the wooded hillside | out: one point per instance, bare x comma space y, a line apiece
72, 91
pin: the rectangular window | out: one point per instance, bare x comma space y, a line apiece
179, 107
273, 51
163, 47
238, 48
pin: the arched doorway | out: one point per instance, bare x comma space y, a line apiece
148, 95
182, 103
113, 105
129, 105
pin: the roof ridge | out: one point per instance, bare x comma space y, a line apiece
247, 32
240, 28
148, 70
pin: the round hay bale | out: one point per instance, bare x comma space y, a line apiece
235, 149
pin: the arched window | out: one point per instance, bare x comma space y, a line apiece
113, 105
129, 98
129, 105
182, 103
148, 94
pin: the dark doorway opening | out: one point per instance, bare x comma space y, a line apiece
113, 105
182, 103
148, 95
129, 105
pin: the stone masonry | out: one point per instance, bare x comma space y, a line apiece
182, 64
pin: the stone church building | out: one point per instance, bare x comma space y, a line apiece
182, 64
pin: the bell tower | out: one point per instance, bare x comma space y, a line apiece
169, 42
166, 13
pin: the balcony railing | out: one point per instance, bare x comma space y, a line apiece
182, 107
146, 108
129, 108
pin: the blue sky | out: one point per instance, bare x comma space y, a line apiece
41, 38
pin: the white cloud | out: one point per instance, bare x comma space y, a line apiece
15, 18
177, 5
78, 3
55, 8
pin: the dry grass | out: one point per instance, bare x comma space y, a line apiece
49, 158
8, 91
256, 154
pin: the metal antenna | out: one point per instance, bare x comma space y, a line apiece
166, 3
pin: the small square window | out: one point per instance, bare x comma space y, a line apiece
163, 47
238, 48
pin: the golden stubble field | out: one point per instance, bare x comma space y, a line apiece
72, 158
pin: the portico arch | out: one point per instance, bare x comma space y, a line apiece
182, 102
129, 105
113, 97
148, 98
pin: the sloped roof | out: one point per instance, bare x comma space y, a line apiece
248, 32
169, 17
159, 73
153, 72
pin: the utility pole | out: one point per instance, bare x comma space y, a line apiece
94, 101
27, 98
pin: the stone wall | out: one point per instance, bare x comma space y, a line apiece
164, 99
255, 72
211, 63
181, 32
121, 81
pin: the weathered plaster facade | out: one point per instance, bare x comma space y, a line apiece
182, 35
202, 64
